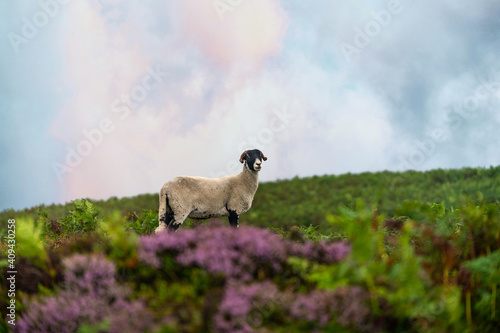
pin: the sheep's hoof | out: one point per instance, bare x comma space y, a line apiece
160, 228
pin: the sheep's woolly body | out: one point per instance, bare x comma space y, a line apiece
202, 198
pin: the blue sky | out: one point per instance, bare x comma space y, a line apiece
114, 97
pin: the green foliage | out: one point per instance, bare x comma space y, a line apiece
178, 298
29, 242
483, 222
84, 217
96, 328
303, 233
306, 201
486, 273
396, 281
121, 245
486, 268
145, 223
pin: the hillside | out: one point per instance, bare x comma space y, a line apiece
373, 252
305, 201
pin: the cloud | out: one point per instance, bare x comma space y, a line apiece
266, 73
246, 33
159, 138
421, 65
102, 67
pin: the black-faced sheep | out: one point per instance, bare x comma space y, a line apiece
203, 198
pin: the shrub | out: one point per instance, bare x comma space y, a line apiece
244, 307
29, 242
84, 217
486, 273
347, 307
239, 254
90, 296
145, 223
248, 307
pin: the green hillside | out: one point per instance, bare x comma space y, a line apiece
305, 201
373, 252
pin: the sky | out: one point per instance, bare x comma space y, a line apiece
104, 98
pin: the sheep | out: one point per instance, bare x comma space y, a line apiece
204, 198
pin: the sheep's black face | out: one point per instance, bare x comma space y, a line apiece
253, 159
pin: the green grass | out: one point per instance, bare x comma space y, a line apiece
306, 201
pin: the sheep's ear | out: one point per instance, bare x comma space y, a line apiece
243, 155
263, 157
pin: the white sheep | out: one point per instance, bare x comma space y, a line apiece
203, 198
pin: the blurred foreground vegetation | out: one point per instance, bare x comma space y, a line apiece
378, 252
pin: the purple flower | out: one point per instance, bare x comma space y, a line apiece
239, 301
92, 274
245, 308
345, 305
323, 252
90, 296
238, 254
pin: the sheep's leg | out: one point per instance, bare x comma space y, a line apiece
169, 218
162, 211
165, 213
175, 223
161, 226
172, 227
233, 218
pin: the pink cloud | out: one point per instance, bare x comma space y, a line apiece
101, 65
247, 32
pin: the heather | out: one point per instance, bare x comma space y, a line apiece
421, 254
241, 254
89, 295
